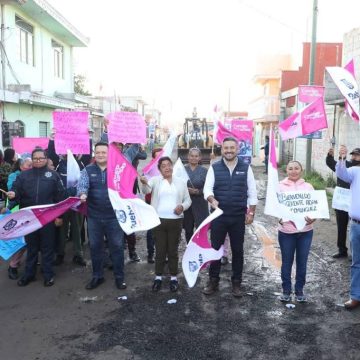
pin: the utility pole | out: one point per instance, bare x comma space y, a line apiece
3, 71
311, 77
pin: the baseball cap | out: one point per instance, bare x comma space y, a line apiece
356, 151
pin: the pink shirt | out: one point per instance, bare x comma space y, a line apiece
286, 185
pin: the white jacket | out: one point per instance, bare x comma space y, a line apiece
153, 186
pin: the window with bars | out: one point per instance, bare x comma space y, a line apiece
58, 53
25, 41
44, 129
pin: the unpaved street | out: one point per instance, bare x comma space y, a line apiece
56, 323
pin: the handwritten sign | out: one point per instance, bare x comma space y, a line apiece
296, 205
126, 127
27, 145
71, 132
341, 199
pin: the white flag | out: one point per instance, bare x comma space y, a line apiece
180, 172
72, 170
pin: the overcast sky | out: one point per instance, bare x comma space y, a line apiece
178, 54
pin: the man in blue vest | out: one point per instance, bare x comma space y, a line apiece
102, 221
230, 185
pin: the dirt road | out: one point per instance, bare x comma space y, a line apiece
56, 323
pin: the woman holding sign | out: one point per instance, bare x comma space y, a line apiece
293, 240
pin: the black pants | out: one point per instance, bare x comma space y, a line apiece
42, 240
342, 219
235, 227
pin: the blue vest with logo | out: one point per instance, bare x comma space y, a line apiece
99, 205
230, 190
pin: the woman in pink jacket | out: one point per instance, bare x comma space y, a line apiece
293, 240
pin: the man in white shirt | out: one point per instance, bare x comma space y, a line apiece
230, 185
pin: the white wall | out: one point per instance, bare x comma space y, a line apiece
41, 75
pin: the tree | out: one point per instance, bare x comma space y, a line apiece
79, 85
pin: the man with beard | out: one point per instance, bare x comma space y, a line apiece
352, 176
230, 185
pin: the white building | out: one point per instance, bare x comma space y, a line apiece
37, 45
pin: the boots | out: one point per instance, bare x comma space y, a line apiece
211, 287
236, 288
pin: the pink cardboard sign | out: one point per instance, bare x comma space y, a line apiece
310, 93
71, 132
126, 127
27, 145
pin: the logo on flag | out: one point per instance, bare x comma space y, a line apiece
132, 213
199, 251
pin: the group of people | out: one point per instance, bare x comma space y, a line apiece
228, 184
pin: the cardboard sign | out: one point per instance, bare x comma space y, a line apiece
27, 145
71, 132
126, 127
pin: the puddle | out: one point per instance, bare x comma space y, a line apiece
271, 252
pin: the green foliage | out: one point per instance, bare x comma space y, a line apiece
316, 180
330, 181
79, 85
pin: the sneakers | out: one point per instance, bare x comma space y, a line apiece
156, 285
58, 260
224, 260
134, 257
211, 287
301, 298
12, 273
79, 260
285, 297
150, 259
174, 285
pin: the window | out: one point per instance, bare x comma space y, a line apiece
43, 129
58, 51
10, 130
25, 41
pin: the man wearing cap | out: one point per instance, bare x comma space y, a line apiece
352, 176
342, 216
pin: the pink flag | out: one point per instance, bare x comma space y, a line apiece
223, 132
199, 251
351, 69
310, 119
32, 218
151, 169
313, 117
132, 213
291, 127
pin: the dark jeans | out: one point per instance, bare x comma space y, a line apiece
167, 238
342, 220
289, 244
266, 163
131, 242
110, 228
71, 220
235, 227
150, 243
42, 240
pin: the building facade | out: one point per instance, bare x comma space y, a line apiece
37, 45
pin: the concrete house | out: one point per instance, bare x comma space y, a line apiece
37, 45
